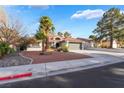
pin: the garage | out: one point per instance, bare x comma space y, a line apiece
73, 43
74, 46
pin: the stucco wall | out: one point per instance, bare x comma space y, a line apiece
34, 49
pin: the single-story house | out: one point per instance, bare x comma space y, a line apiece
56, 41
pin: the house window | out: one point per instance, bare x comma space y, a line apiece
57, 38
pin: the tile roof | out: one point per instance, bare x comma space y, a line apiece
85, 39
75, 40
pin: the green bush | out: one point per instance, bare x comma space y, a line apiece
11, 50
2, 51
62, 49
65, 49
5, 49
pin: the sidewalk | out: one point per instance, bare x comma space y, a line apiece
100, 58
102, 53
116, 50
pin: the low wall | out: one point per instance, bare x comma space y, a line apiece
34, 49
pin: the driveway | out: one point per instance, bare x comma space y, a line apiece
97, 52
116, 50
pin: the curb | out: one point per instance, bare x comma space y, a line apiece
28, 74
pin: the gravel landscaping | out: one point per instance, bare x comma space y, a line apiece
55, 56
14, 60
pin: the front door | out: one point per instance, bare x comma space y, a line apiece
57, 45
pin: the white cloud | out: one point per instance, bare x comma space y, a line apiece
88, 14
39, 6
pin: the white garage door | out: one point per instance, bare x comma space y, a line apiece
74, 46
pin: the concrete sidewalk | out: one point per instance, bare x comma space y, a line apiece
100, 58
115, 50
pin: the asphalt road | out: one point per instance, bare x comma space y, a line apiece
111, 76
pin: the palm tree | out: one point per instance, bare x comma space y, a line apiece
60, 33
66, 35
40, 36
95, 39
46, 27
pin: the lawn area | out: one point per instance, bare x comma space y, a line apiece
55, 56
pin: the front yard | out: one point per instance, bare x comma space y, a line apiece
55, 56
15, 59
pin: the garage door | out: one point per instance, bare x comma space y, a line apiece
74, 46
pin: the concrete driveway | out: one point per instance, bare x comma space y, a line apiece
99, 52
116, 50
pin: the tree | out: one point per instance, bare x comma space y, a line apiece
46, 27
120, 33
107, 26
10, 32
60, 34
25, 41
67, 34
95, 39
40, 36
31, 40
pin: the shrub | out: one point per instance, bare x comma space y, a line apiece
23, 46
59, 49
65, 49
11, 50
5, 49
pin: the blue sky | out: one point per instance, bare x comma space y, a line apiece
79, 20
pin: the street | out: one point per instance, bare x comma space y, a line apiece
111, 76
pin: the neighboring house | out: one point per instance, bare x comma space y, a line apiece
87, 43
56, 41
106, 44
35, 47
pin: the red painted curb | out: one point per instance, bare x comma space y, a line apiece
16, 76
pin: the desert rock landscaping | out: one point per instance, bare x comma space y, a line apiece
14, 60
55, 56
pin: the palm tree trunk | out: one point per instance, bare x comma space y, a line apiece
47, 44
43, 47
